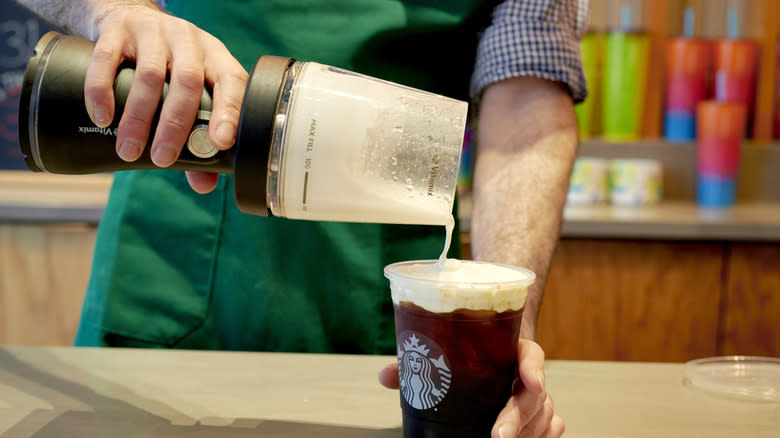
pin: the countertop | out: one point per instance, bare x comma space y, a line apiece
45, 198
56, 392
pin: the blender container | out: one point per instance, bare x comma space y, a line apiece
314, 142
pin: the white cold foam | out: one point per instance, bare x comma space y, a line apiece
362, 150
459, 285
448, 229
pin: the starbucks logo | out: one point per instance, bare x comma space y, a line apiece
423, 372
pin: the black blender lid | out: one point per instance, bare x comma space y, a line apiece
255, 130
28, 100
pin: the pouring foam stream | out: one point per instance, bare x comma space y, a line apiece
447, 242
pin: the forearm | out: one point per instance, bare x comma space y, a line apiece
80, 17
527, 141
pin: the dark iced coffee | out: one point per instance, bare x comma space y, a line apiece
456, 330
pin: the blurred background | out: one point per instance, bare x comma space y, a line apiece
670, 244
638, 36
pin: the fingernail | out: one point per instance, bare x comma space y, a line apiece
225, 135
540, 378
101, 117
130, 149
516, 385
163, 156
507, 430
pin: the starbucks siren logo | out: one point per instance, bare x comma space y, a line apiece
424, 381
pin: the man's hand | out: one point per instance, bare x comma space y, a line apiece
529, 412
161, 45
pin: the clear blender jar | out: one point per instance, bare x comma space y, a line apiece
314, 142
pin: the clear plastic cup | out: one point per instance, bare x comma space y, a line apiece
456, 331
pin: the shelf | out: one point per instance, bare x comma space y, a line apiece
34, 197
668, 220
759, 172
674, 221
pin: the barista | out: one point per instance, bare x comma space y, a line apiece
176, 269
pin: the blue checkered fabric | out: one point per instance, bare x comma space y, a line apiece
537, 38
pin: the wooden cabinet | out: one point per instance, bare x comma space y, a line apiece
661, 301
43, 275
751, 304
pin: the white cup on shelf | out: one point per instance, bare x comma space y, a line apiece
589, 181
635, 182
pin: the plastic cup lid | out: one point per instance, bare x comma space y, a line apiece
751, 377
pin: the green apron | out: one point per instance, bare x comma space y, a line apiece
176, 269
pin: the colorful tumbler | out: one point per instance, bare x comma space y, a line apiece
720, 130
624, 85
735, 71
589, 47
688, 61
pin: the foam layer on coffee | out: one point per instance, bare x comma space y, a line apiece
459, 285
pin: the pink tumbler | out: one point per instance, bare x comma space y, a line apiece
720, 130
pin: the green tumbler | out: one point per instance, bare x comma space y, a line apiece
589, 48
625, 85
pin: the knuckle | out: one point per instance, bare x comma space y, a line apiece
238, 74
134, 119
542, 398
118, 17
184, 27
151, 73
214, 41
523, 412
189, 77
97, 88
231, 108
132, 130
177, 122
217, 46
103, 52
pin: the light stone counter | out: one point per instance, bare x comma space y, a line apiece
56, 392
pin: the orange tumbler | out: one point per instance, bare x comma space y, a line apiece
735, 71
720, 130
688, 62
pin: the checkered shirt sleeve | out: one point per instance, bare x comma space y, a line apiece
537, 38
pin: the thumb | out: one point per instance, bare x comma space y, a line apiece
388, 377
531, 365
